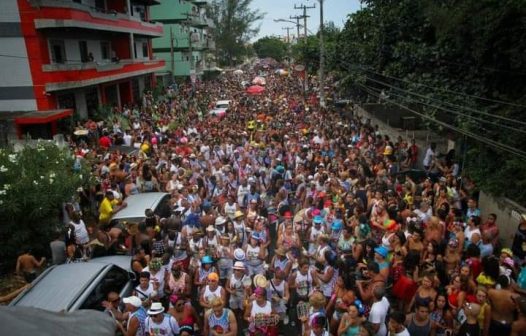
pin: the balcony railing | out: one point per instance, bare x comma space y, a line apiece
94, 12
100, 66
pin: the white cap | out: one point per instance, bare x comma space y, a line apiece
133, 300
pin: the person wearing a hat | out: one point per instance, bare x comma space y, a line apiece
201, 273
257, 309
240, 228
316, 230
236, 287
138, 315
225, 256
211, 239
280, 262
255, 255
159, 323
158, 274
220, 224
380, 256
211, 290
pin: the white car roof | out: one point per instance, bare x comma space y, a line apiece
222, 102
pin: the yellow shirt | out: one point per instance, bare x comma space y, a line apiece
106, 210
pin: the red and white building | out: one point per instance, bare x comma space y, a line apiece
65, 57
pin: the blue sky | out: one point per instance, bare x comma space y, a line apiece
334, 10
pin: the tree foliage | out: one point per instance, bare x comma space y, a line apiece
308, 51
449, 59
235, 23
34, 183
269, 46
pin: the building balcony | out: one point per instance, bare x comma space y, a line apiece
211, 44
210, 23
67, 14
74, 75
198, 21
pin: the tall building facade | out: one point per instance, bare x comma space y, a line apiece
187, 46
64, 57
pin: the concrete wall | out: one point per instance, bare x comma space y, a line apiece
9, 11
508, 214
16, 84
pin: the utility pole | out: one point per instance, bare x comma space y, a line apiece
190, 49
298, 25
288, 32
305, 16
172, 57
322, 59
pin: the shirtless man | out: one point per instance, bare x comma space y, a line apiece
519, 326
366, 287
26, 264
502, 308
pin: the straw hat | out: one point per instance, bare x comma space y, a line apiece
260, 281
238, 265
238, 214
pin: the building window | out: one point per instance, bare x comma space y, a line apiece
145, 49
83, 46
105, 50
58, 51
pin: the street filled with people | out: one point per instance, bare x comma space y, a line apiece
286, 217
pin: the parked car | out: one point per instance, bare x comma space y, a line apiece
159, 202
84, 285
220, 108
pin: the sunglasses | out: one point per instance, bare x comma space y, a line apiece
115, 300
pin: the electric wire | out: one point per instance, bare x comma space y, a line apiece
489, 142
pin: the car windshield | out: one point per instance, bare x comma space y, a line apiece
221, 106
113, 281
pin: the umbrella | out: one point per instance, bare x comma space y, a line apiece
238, 72
259, 81
255, 90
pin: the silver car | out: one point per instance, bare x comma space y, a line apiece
75, 286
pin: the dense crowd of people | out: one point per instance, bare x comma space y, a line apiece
287, 217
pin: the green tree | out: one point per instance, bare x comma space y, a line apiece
34, 183
273, 47
234, 22
448, 59
308, 51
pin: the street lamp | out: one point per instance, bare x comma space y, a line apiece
293, 22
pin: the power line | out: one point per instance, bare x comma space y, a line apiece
436, 100
457, 113
489, 142
449, 91
367, 68
453, 105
